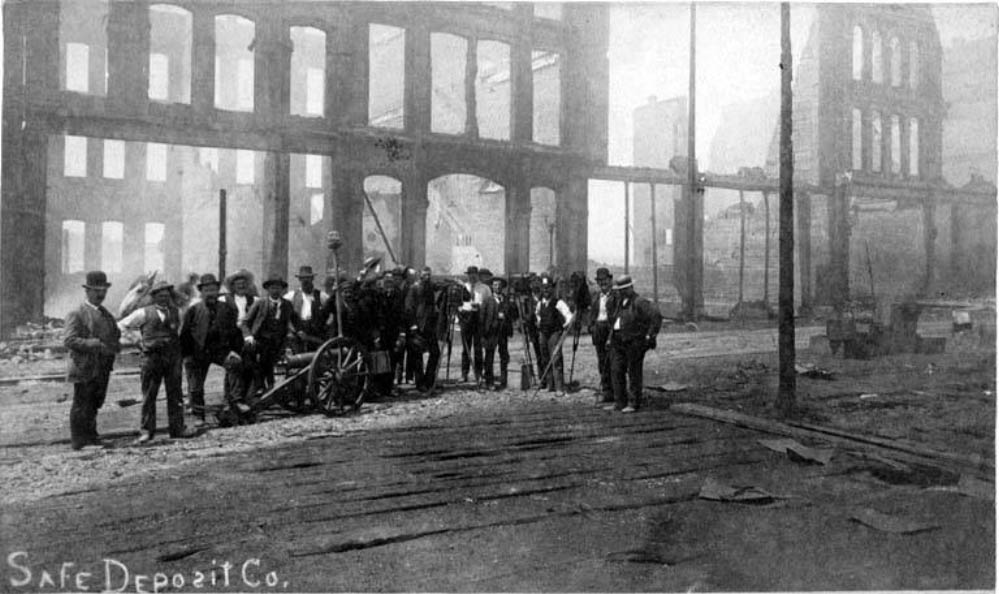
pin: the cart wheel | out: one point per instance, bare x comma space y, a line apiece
338, 376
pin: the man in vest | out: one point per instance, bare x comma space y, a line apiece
499, 329
599, 326
421, 334
306, 302
265, 330
92, 338
635, 324
554, 318
159, 324
209, 335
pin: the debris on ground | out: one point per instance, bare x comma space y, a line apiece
973, 487
717, 491
889, 523
809, 370
868, 396
797, 451
670, 387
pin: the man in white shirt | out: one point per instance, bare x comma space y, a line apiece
306, 302
600, 331
554, 318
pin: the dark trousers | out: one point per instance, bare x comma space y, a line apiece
88, 397
265, 354
551, 351
162, 367
472, 350
426, 374
197, 370
601, 341
492, 343
627, 358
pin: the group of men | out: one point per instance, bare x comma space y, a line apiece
407, 314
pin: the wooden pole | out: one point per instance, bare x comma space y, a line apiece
692, 211
222, 234
627, 225
785, 304
655, 247
766, 249
742, 242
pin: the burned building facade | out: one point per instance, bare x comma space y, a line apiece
122, 120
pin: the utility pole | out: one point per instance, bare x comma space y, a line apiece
742, 242
766, 250
222, 234
627, 224
785, 303
693, 255
655, 246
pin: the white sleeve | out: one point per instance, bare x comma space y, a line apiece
565, 311
134, 319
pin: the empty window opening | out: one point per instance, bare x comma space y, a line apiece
245, 167
234, 63
159, 77
171, 34
83, 39
386, 75
465, 224
877, 60
448, 54
548, 10
857, 138
75, 156
913, 147
876, 141
541, 246
913, 65
385, 195
77, 67
316, 203
313, 171
492, 90
209, 157
858, 53
896, 146
896, 62
114, 159
153, 256
547, 97
605, 226
156, 162
308, 71
112, 245
73, 244
24, 60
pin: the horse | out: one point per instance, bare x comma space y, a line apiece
138, 296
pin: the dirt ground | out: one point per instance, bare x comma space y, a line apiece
499, 491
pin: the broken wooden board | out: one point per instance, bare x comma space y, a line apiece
888, 523
717, 491
797, 451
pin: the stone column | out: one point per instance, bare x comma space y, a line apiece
522, 92
517, 235
347, 71
413, 226
277, 202
929, 241
272, 70
203, 62
839, 245
418, 91
471, 73
804, 240
571, 221
348, 215
128, 56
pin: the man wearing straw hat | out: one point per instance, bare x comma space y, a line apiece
92, 337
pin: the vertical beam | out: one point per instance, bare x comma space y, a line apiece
694, 265
517, 235
277, 202
417, 90
627, 225
929, 241
522, 95
222, 233
785, 302
203, 61
572, 218
742, 242
471, 73
839, 244
766, 249
271, 70
128, 56
804, 212
413, 230
655, 247
347, 72
348, 214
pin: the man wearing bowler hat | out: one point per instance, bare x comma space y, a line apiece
266, 326
159, 324
635, 324
209, 335
92, 338
600, 330
306, 302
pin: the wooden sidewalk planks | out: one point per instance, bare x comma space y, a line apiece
909, 453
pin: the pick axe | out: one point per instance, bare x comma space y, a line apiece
551, 360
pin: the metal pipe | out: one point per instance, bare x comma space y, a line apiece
222, 234
655, 246
627, 224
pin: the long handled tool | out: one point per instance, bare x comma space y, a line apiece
556, 352
526, 368
575, 347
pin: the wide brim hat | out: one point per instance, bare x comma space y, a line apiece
96, 280
485, 272
305, 272
472, 270
623, 283
160, 286
499, 279
603, 273
208, 279
275, 279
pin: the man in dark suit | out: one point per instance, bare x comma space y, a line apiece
161, 361
599, 326
635, 324
497, 330
265, 330
421, 334
306, 302
92, 337
209, 335
554, 318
